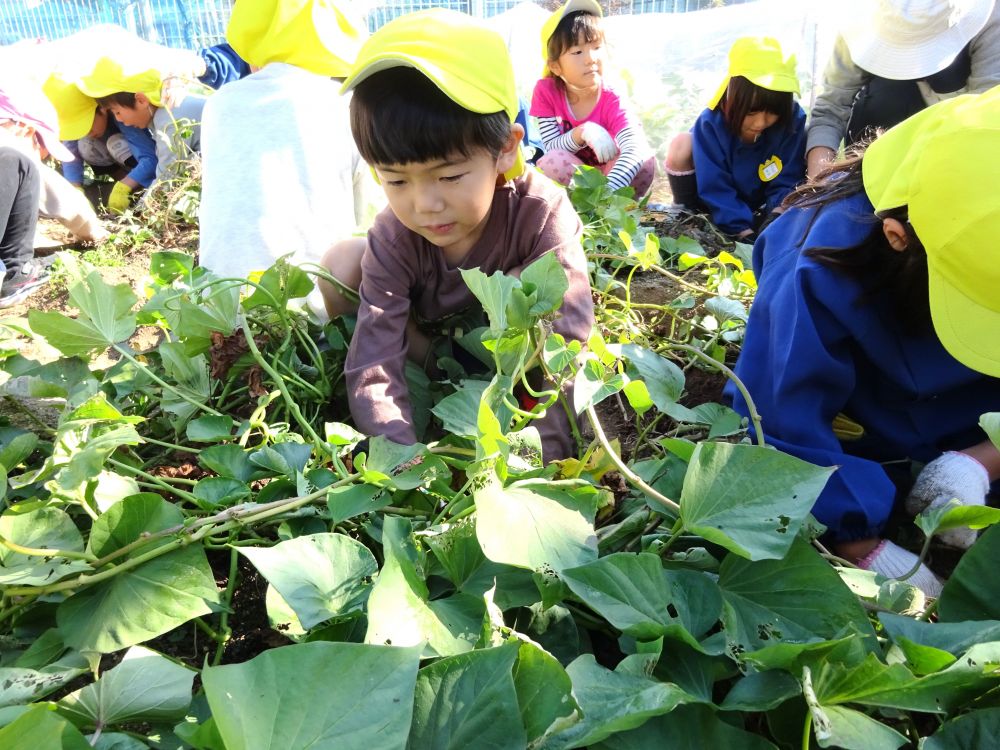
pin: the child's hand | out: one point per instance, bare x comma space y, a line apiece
599, 140
952, 475
118, 201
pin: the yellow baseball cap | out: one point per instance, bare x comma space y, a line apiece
549, 27
321, 36
761, 61
466, 60
940, 164
75, 109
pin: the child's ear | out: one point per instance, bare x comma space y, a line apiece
141, 100
508, 154
895, 234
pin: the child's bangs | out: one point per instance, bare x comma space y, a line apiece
575, 29
398, 116
775, 102
743, 97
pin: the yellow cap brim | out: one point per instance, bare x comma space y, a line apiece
966, 329
74, 109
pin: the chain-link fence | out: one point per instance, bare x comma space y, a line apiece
201, 23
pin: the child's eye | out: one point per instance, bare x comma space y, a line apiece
454, 177
393, 183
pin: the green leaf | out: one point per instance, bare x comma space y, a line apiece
128, 520
17, 446
976, 729
209, 429
523, 525
104, 315
761, 691
548, 277
664, 379
167, 265
794, 600
144, 686
973, 516
42, 528
749, 499
954, 637
544, 692
288, 459
973, 590
399, 612
190, 375
459, 411
139, 604
636, 595
355, 499
39, 727
319, 575
280, 283
839, 727
229, 461
467, 701
20, 684
271, 700
494, 292
612, 702
685, 728
991, 426
219, 491
593, 384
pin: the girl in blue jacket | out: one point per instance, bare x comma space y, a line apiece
877, 311
746, 151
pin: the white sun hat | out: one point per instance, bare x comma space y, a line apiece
911, 39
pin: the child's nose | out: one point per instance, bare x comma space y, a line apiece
428, 201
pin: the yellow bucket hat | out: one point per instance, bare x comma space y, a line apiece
466, 60
321, 36
761, 61
75, 109
940, 164
128, 69
549, 27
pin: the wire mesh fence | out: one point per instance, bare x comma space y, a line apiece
200, 23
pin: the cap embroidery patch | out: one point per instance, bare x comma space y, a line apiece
770, 169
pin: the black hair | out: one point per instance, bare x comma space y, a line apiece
121, 98
884, 273
743, 97
399, 116
575, 28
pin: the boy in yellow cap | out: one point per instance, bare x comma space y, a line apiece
281, 173
746, 151
878, 301
432, 111
94, 137
128, 82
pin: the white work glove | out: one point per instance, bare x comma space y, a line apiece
892, 561
600, 141
952, 475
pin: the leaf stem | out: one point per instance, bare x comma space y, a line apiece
164, 384
630, 475
751, 406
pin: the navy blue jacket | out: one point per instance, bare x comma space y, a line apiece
222, 65
813, 351
140, 143
732, 175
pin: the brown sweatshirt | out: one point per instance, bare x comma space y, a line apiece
402, 274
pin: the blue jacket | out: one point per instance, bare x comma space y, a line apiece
140, 143
732, 175
222, 65
813, 351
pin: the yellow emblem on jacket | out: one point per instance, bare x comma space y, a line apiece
770, 169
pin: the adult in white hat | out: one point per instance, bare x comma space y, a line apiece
893, 58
